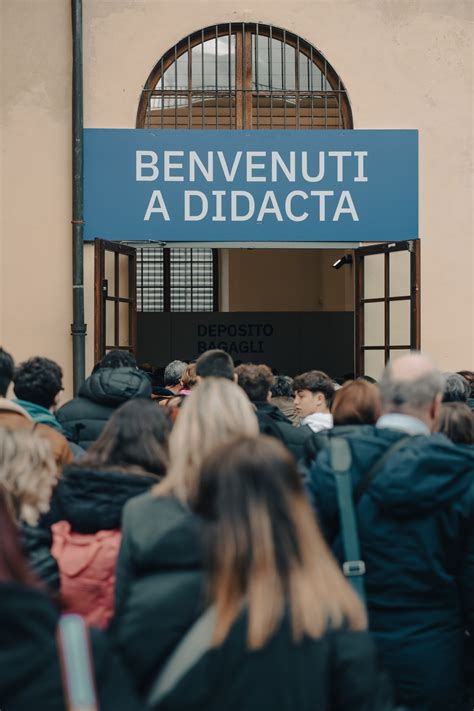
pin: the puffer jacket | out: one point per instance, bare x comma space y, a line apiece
416, 530
86, 514
84, 417
160, 587
36, 544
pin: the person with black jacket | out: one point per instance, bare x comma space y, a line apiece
160, 586
114, 380
130, 456
256, 381
416, 524
287, 632
30, 675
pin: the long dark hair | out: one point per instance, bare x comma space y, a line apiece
261, 543
13, 566
135, 438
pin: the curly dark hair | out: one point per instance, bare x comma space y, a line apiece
116, 358
7, 369
255, 380
38, 380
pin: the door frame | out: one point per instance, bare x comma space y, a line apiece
101, 297
414, 297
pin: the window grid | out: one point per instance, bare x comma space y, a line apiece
244, 75
191, 275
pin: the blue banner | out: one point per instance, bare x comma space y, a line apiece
251, 186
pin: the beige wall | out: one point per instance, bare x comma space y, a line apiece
35, 219
405, 64
288, 280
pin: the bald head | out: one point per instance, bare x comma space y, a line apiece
410, 367
412, 385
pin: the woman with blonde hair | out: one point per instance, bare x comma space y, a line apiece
286, 630
159, 584
28, 475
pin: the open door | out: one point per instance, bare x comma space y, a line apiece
115, 297
387, 303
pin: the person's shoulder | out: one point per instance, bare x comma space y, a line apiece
158, 514
161, 531
150, 502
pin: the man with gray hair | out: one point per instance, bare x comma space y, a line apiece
411, 390
413, 494
172, 376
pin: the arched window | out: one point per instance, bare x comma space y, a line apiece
244, 75
229, 76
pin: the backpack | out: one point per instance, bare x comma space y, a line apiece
87, 564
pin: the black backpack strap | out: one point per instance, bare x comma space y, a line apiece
377, 467
353, 567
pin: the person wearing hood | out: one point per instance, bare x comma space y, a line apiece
114, 380
130, 456
314, 392
30, 674
416, 523
256, 381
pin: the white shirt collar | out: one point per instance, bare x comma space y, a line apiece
405, 423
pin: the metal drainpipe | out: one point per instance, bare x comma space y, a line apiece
78, 327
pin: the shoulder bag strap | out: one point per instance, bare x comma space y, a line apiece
353, 567
377, 467
192, 647
341, 460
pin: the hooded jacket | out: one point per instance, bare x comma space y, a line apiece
41, 414
86, 517
159, 586
84, 417
13, 417
416, 530
30, 676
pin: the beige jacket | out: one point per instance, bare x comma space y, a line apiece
13, 417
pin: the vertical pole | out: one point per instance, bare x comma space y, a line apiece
78, 327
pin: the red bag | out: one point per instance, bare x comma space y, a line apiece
87, 565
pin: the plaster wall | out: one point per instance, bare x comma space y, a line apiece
405, 63
35, 169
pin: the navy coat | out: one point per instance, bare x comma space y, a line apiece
416, 529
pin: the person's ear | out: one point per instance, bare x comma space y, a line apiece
269, 396
435, 410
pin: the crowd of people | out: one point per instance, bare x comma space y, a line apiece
192, 518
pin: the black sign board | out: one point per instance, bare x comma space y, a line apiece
290, 342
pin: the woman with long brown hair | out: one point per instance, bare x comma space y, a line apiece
128, 458
289, 631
